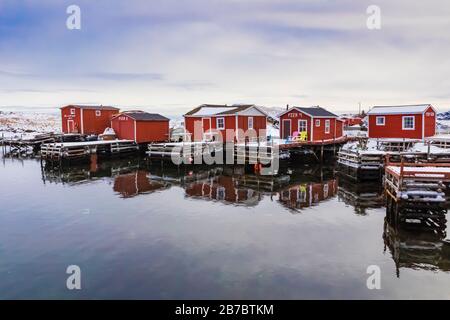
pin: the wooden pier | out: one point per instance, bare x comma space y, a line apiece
83, 150
184, 152
30, 146
361, 165
416, 192
315, 151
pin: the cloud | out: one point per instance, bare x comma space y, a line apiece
184, 53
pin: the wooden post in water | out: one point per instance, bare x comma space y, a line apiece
94, 163
400, 181
321, 153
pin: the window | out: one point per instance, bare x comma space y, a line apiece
318, 123
250, 122
408, 123
220, 193
327, 126
380, 121
72, 111
98, 113
220, 123
302, 125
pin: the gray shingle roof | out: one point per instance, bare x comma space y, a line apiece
145, 116
316, 111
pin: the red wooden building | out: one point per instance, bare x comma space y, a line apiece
86, 119
219, 118
407, 121
318, 123
351, 121
142, 127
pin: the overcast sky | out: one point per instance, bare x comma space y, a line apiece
172, 55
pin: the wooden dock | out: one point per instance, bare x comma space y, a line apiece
184, 152
30, 146
367, 164
83, 150
416, 192
361, 165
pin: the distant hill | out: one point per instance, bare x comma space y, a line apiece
443, 115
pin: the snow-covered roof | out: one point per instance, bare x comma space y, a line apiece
405, 109
211, 111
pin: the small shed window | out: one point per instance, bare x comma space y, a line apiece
380, 121
408, 123
72, 111
98, 113
318, 123
327, 126
250, 122
220, 193
220, 123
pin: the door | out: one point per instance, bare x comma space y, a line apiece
286, 128
206, 124
70, 126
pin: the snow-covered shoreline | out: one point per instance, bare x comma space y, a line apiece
27, 123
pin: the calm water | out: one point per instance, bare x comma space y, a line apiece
155, 232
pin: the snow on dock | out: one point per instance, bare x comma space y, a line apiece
82, 150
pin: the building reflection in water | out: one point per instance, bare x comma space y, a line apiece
362, 195
294, 188
414, 246
138, 182
304, 195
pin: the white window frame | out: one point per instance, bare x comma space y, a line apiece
98, 113
250, 122
72, 111
217, 123
318, 123
413, 123
220, 193
303, 121
327, 126
379, 118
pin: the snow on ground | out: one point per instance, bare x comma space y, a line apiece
370, 147
25, 124
423, 147
272, 131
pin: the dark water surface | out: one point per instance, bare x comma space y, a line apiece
155, 232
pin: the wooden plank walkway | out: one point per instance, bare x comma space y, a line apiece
82, 150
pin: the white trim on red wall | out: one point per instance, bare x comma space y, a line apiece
82, 120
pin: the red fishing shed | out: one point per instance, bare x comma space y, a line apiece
406, 121
318, 123
220, 118
141, 127
86, 119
